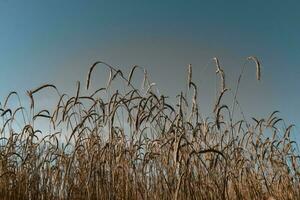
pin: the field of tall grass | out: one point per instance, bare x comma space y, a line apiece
130, 142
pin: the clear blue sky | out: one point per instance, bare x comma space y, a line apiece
56, 41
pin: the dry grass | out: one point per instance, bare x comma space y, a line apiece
132, 144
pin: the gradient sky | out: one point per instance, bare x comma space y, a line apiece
56, 41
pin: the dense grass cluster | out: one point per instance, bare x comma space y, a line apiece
130, 143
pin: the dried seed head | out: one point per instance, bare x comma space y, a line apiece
258, 67
190, 73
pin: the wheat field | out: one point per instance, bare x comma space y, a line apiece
127, 141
